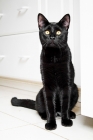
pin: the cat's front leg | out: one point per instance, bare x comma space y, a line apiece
49, 98
65, 105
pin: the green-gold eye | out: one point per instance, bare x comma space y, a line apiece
47, 32
58, 32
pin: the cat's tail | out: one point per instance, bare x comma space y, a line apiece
23, 103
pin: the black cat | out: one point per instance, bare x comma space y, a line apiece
59, 93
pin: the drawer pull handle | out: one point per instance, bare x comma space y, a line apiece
23, 8
24, 57
1, 15
2, 56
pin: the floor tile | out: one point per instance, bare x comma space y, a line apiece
7, 122
82, 129
25, 114
29, 132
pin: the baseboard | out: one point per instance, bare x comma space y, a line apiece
27, 85
21, 84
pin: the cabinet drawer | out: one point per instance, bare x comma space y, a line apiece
18, 16
20, 56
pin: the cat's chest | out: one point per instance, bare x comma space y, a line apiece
54, 59
52, 56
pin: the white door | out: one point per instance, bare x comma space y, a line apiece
86, 37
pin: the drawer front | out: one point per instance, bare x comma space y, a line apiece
20, 56
17, 16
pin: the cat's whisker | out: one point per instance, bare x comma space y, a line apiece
44, 45
62, 43
60, 47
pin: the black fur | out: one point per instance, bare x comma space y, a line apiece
59, 93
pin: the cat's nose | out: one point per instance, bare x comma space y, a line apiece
52, 37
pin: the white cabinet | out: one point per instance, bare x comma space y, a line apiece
20, 56
18, 16
19, 40
86, 10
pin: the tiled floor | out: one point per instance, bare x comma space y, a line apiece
17, 123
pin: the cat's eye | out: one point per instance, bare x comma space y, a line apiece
58, 32
47, 32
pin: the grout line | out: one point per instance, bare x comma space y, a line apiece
49, 131
14, 127
21, 119
14, 117
32, 125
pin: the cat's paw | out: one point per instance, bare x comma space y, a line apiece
72, 115
50, 126
14, 101
67, 122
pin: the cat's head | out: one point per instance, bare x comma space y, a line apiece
53, 34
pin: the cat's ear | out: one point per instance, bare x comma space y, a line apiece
42, 21
65, 21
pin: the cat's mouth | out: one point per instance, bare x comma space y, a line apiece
52, 44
